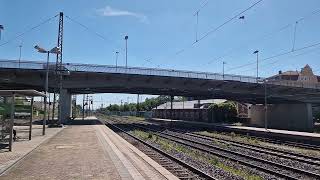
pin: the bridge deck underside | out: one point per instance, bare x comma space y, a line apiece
95, 82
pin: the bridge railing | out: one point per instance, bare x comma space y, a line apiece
157, 72
37, 65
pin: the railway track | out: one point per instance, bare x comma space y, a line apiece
215, 151
264, 149
266, 139
178, 167
312, 160
278, 141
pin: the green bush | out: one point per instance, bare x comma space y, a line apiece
5, 110
224, 112
317, 117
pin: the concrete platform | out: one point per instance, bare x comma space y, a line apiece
22, 146
312, 138
87, 152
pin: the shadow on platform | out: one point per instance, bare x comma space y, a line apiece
85, 122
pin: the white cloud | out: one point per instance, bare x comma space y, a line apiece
109, 11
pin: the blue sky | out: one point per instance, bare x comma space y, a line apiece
157, 30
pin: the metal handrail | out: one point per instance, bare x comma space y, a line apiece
129, 70
76, 67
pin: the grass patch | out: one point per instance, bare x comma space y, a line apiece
255, 141
231, 136
134, 118
169, 146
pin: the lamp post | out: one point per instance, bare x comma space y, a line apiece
257, 52
265, 105
55, 50
117, 54
1, 28
20, 46
126, 38
223, 63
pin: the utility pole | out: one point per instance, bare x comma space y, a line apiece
91, 102
49, 106
265, 105
171, 109
121, 105
126, 38
45, 97
83, 99
137, 114
88, 105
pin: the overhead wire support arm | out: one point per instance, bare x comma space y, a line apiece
28, 30
197, 16
229, 20
294, 35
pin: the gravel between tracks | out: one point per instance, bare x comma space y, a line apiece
288, 162
211, 169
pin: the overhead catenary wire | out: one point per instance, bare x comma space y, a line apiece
267, 35
270, 34
92, 31
293, 46
164, 43
226, 22
274, 62
28, 30
275, 56
197, 17
216, 28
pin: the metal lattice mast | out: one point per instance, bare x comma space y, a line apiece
59, 67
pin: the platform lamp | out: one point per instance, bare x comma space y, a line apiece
1, 29
117, 54
257, 52
55, 50
223, 64
126, 38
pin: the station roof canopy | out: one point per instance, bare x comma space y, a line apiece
27, 92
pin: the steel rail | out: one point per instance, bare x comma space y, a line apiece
164, 135
188, 166
262, 149
258, 148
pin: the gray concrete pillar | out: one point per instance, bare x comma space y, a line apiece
296, 117
66, 105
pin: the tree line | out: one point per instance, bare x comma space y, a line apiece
147, 105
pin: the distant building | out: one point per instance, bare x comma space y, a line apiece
192, 110
306, 76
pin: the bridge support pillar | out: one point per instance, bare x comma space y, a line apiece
66, 105
296, 117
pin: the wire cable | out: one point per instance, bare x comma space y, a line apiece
28, 30
293, 47
294, 35
275, 56
266, 36
92, 31
215, 29
226, 22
